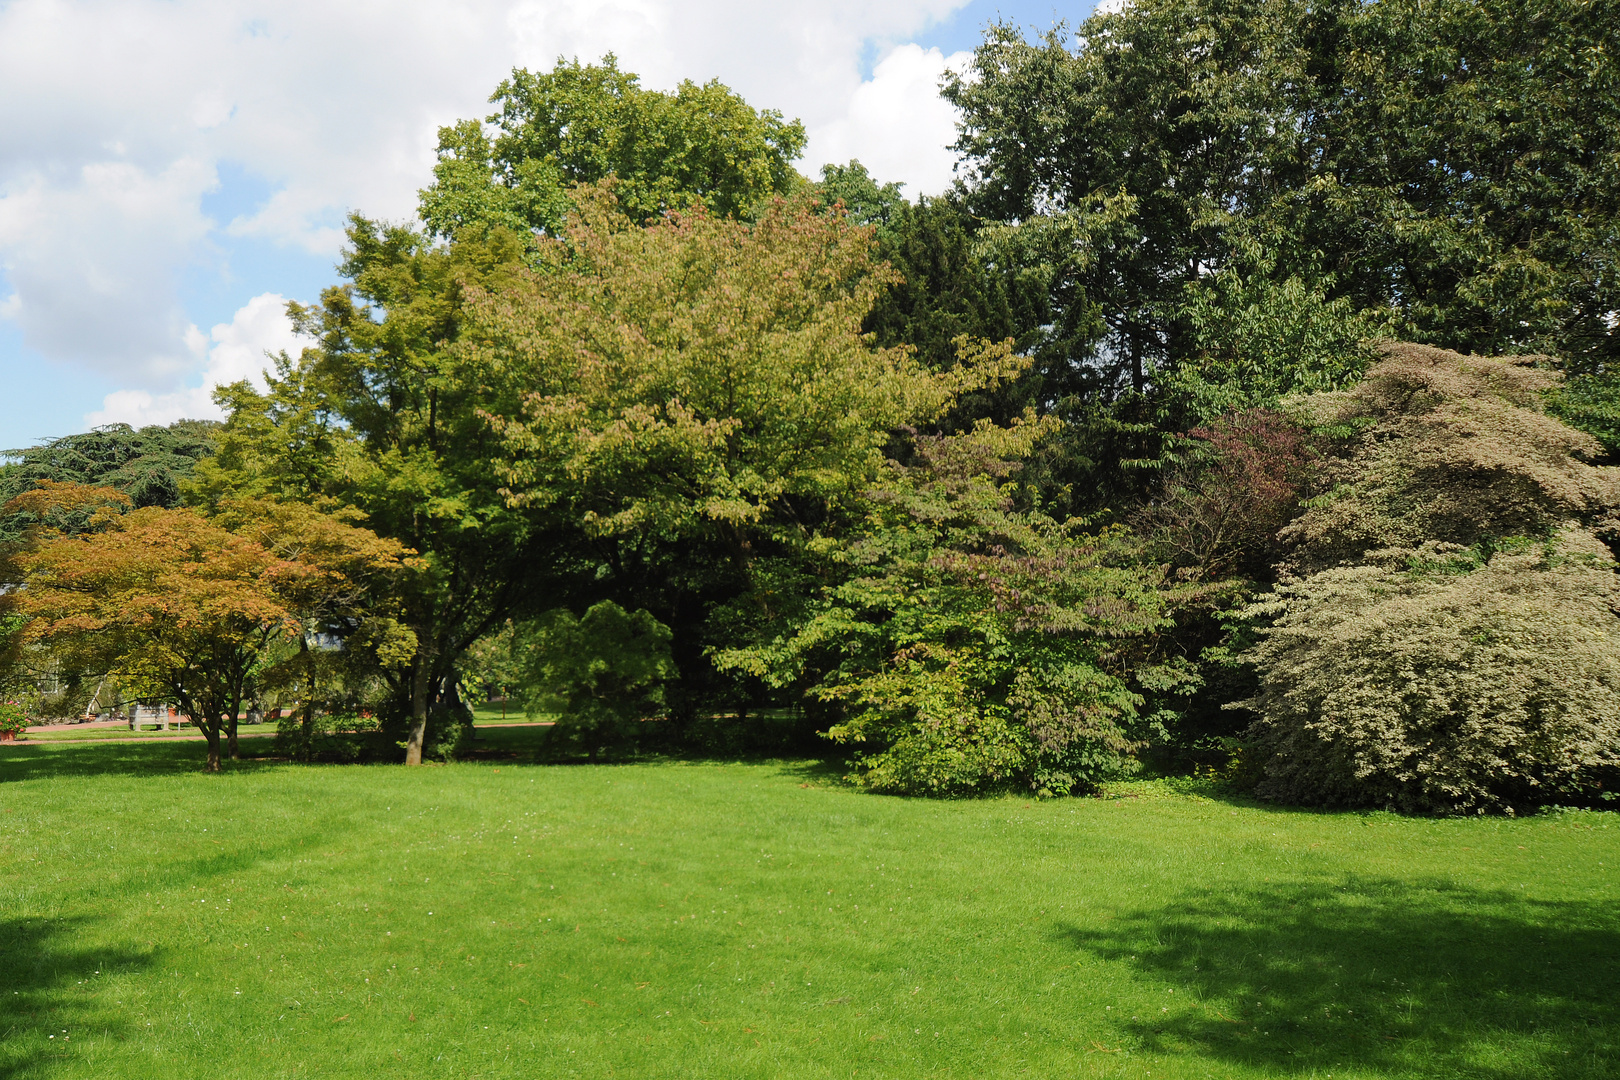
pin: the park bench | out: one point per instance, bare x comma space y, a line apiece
160, 716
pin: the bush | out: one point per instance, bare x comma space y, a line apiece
1445, 637
13, 718
324, 736
1219, 513
598, 674
975, 644
1437, 680
1437, 446
450, 732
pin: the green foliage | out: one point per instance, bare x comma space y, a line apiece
582, 123
450, 736
1261, 340
864, 200
473, 191
1590, 403
699, 402
1227, 198
490, 667
598, 674
1444, 162
703, 374
13, 718
148, 466
316, 735
975, 643
952, 282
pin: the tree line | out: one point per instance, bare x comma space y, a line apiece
1104, 457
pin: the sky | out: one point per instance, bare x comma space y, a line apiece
172, 172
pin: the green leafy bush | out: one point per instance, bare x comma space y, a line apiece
598, 674
975, 643
324, 736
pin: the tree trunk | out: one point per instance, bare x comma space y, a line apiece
306, 726
211, 730
419, 700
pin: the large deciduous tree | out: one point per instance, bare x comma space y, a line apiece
580, 123
698, 394
1239, 189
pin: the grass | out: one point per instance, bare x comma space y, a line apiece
497, 919
73, 733
511, 713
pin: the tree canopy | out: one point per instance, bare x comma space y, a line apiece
1104, 454
148, 465
581, 123
1427, 171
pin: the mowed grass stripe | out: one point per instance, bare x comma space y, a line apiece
680, 920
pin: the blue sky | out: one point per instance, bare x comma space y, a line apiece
173, 169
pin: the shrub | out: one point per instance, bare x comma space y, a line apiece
1444, 639
598, 674
306, 735
1220, 514
1436, 680
974, 643
13, 718
1435, 445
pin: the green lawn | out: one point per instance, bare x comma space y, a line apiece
509, 713
75, 733
497, 919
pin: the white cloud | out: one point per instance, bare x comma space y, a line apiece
92, 258
238, 352
119, 113
897, 123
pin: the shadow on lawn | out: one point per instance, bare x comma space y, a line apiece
48, 986
1419, 979
74, 759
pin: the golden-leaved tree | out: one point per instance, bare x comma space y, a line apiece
705, 374
698, 400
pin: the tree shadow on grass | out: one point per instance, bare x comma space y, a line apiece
1412, 979
50, 986
78, 759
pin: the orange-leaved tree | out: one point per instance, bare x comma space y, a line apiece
352, 599
177, 605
